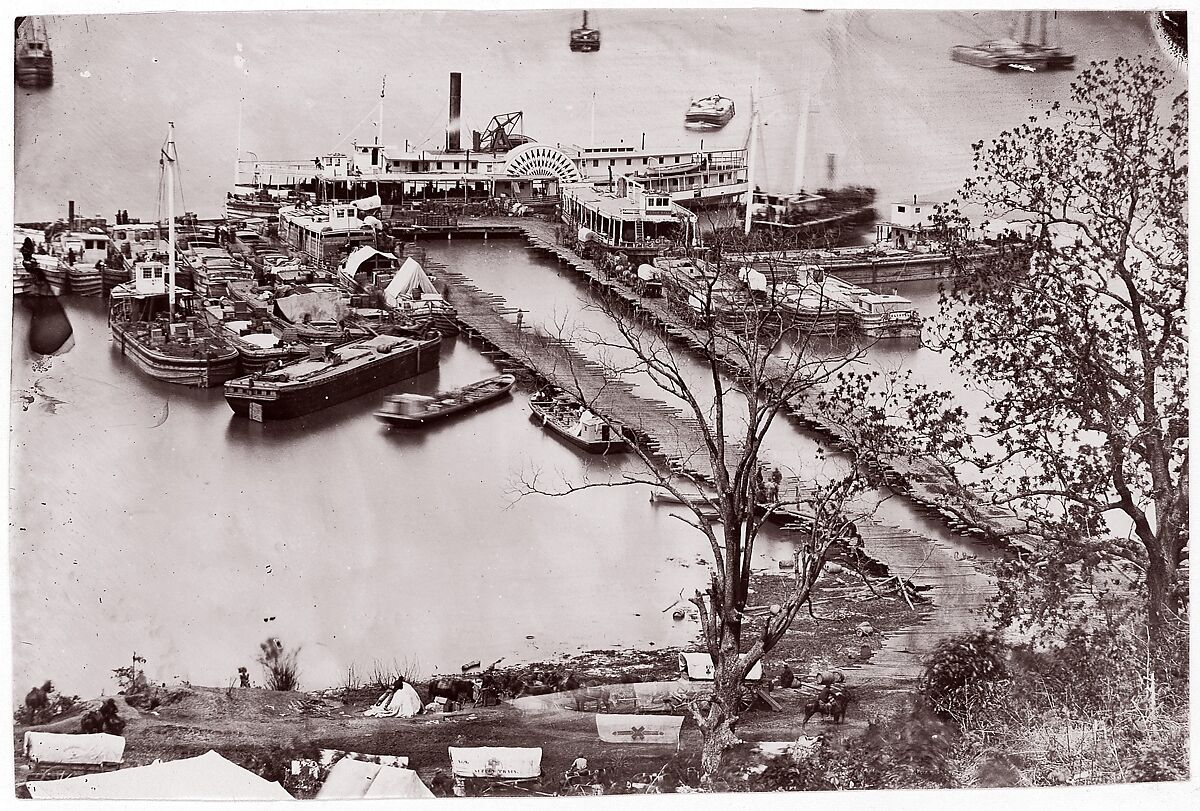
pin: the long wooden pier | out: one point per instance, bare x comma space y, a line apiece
661, 430
664, 432
931, 486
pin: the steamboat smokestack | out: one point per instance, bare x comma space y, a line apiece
454, 131
70, 214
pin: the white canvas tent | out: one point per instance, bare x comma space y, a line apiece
410, 278
207, 777
361, 254
317, 305
699, 666
351, 779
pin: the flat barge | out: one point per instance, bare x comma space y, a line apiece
332, 375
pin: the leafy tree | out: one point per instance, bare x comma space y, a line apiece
1081, 346
750, 361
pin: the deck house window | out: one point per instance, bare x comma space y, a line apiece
900, 209
677, 159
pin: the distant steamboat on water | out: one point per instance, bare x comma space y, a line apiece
332, 375
34, 61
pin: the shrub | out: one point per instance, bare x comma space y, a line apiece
279, 666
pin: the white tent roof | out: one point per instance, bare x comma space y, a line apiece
699, 666
410, 277
351, 779
368, 203
207, 777
57, 747
355, 260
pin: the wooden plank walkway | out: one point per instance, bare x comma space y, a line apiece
661, 430
665, 432
930, 485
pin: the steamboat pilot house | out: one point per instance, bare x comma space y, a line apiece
629, 220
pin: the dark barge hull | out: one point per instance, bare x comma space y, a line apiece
308, 396
202, 372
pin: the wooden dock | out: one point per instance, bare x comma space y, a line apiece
663, 431
931, 486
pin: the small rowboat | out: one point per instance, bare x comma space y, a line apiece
567, 418
415, 410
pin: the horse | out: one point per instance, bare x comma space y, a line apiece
38, 699
600, 695
460, 691
828, 702
104, 719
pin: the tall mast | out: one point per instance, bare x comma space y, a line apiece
592, 135
750, 155
237, 155
169, 157
802, 136
382, 90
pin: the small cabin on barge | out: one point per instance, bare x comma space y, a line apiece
324, 233
628, 219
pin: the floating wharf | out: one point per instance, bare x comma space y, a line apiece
663, 431
931, 486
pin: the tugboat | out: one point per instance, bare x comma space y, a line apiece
178, 347
584, 39
709, 113
34, 59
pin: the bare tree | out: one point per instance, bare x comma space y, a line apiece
738, 360
1083, 347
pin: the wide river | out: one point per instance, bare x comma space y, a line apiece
147, 518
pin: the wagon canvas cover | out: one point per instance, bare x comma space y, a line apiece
642, 729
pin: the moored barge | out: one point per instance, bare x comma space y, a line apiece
332, 375
165, 346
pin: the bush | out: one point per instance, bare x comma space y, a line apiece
279, 666
1088, 706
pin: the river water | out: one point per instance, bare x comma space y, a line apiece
146, 518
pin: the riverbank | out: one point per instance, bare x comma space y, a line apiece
264, 730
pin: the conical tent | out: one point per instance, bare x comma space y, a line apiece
207, 777
408, 279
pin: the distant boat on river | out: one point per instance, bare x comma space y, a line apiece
584, 39
1029, 46
415, 410
34, 61
573, 422
709, 113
